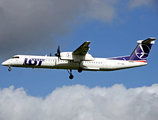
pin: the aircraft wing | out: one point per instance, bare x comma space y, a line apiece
83, 49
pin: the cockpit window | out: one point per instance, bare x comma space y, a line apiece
15, 57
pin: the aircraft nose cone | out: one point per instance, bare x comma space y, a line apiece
5, 63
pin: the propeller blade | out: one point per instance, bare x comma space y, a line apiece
58, 52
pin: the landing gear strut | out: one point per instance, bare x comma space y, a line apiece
79, 69
9, 69
70, 72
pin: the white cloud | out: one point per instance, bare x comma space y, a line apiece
81, 103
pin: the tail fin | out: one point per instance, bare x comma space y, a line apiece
142, 50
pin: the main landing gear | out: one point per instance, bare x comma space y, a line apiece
80, 70
70, 72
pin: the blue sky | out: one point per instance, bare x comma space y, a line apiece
113, 31
108, 39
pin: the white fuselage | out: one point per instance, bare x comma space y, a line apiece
98, 64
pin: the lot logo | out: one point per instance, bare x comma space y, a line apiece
33, 61
142, 51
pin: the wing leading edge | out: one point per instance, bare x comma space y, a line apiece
83, 49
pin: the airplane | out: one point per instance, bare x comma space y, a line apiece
81, 60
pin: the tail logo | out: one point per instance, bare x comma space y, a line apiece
142, 51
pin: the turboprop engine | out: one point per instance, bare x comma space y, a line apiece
75, 58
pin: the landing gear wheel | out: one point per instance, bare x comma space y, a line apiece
80, 70
9, 69
70, 72
71, 76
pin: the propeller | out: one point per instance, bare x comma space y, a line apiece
58, 52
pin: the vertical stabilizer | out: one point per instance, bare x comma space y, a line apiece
142, 50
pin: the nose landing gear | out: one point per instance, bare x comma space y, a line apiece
9, 69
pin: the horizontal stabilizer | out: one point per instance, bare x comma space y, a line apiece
147, 41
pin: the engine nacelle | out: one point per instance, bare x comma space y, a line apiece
75, 58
